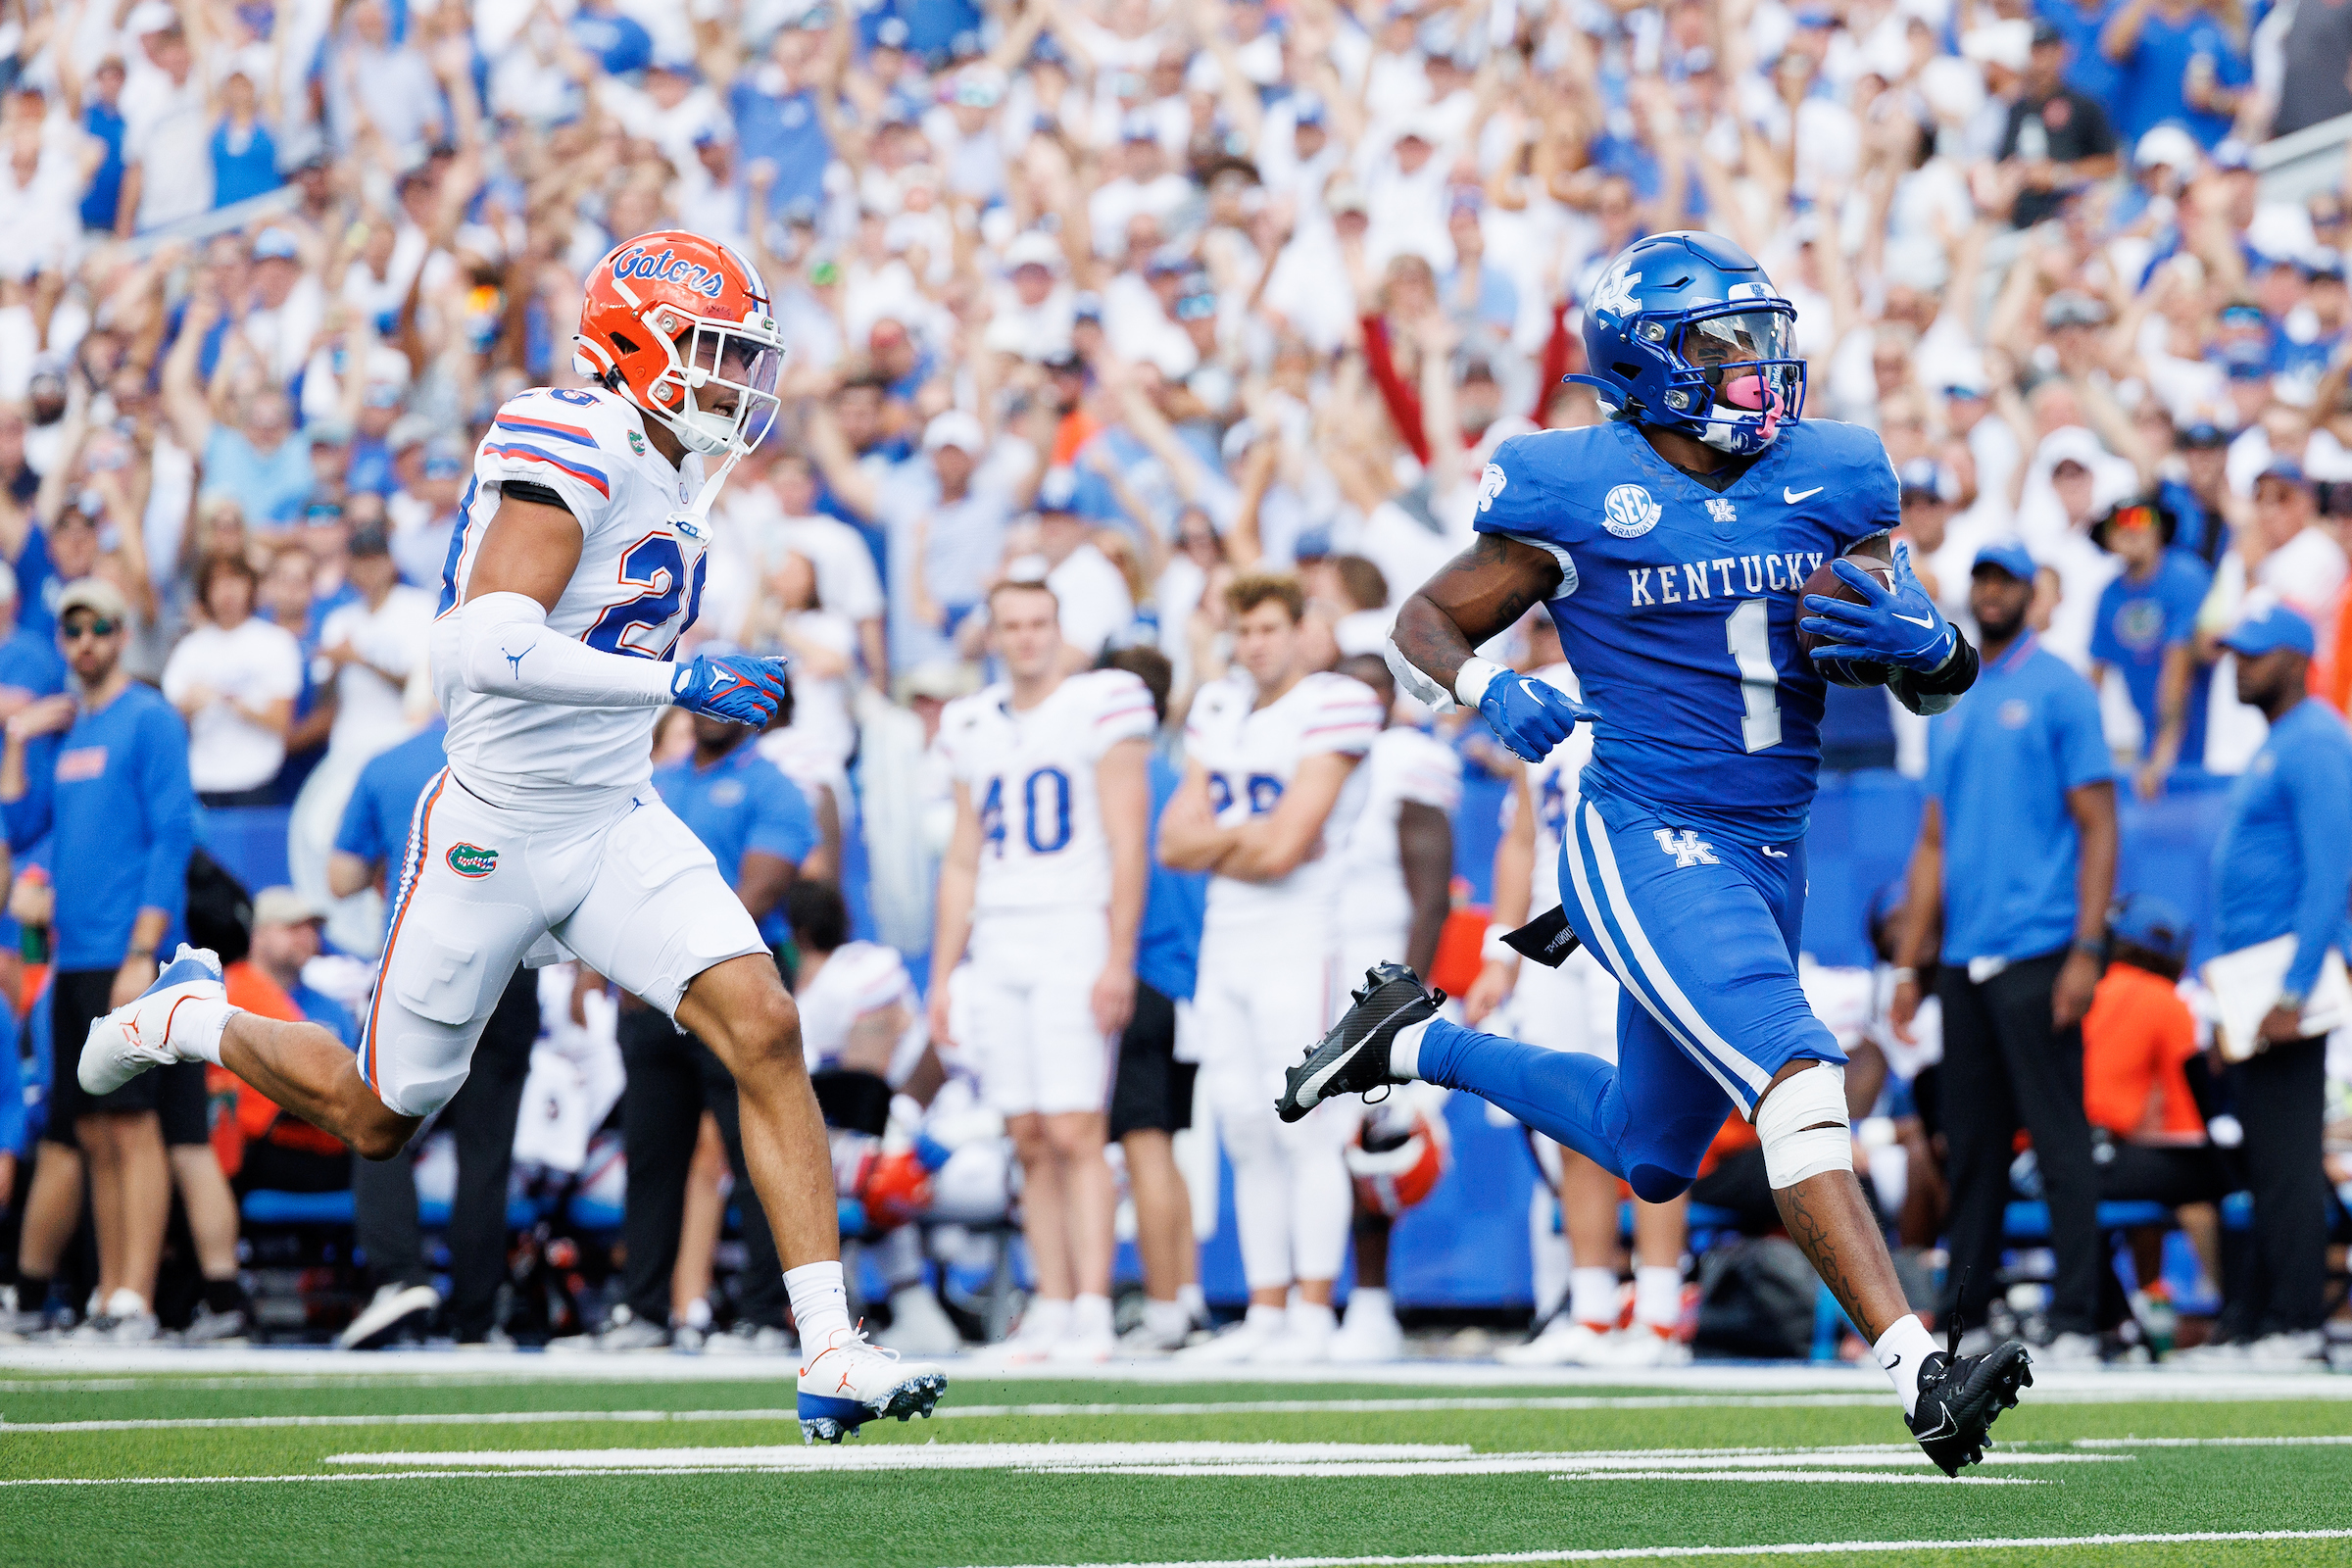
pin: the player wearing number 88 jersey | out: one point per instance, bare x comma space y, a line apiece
1043, 883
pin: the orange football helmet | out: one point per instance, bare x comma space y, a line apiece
1397, 1158
675, 322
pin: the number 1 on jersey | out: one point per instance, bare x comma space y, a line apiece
1749, 633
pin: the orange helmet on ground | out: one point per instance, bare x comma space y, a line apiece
682, 327
1399, 1157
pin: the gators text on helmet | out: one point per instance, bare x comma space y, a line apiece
1684, 332
682, 327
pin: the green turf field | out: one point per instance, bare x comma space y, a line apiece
480, 1464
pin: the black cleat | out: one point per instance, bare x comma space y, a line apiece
1354, 1058
1960, 1397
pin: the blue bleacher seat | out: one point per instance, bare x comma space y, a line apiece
2031, 1223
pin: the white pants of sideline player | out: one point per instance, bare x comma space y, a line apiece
1032, 986
1264, 995
617, 879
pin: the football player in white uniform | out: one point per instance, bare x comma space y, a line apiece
1395, 887
1574, 1007
577, 564
1264, 806
1043, 881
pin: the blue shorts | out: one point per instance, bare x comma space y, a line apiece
1704, 933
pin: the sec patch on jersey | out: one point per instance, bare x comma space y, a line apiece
1826, 582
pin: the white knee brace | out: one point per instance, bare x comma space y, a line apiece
1790, 1124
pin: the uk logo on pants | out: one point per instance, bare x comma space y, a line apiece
1688, 850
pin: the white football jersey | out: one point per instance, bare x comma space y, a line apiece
860, 978
1251, 755
1403, 764
1032, 780
1550, 783
637, 588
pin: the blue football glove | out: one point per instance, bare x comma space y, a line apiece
1901, 627
1530, 717
735, 687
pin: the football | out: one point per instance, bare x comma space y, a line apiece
1826, 582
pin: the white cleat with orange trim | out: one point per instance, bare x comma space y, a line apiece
136, 1037
850, 1382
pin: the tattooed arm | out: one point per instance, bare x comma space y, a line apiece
1478, 594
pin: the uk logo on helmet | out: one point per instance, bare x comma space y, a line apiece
1490, 485
1615, 295
1629, 511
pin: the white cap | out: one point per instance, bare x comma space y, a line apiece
2007, 43
955, 428
150, 16
1033, 249
2171, 146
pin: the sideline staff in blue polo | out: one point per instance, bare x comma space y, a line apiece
2283, 867
2021, 806
754, 821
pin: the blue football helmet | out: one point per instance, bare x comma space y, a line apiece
1684, 332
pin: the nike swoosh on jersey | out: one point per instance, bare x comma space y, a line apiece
1793, 497
1914, 620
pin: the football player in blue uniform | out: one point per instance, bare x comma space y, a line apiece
1672, 544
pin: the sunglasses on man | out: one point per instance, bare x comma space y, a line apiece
72, 631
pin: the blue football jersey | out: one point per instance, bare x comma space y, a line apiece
1678, 607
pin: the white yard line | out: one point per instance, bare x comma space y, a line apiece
1810, 1548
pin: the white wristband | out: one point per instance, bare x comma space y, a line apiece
1477, 675
1496, 951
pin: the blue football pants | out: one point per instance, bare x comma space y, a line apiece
1703, 934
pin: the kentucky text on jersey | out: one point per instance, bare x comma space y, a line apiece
1715, 578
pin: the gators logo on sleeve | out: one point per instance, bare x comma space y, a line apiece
472, 859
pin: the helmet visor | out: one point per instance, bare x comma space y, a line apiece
731, 373
1739, 338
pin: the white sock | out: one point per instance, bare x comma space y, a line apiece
1370, 1300
1047, 1318
1593, 1297
200, 1026
1267, 1319
1312, 1318
1194, 1304
1900, 1351
1405, 1051
1166, 1317
698, 1313
820, 1303
1657, 1294
1090, 1318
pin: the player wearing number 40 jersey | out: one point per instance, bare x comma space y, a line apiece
1671, 545
577, 566
1043, 882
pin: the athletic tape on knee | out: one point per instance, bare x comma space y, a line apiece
1790, 1124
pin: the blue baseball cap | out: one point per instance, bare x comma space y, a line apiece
2268, 629
2148, 921
2286, 471
274, 244
2009, 556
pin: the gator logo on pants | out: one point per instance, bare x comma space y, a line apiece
472, 859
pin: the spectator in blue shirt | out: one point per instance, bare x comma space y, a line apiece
619, 42
286, 937
244, 153
2145, 630
1152, 1100
2178, 62
260, 460
31, 666
2079, 22
102, 117
754, 821
2020, 808
774, 106
2283, 867
115, 789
